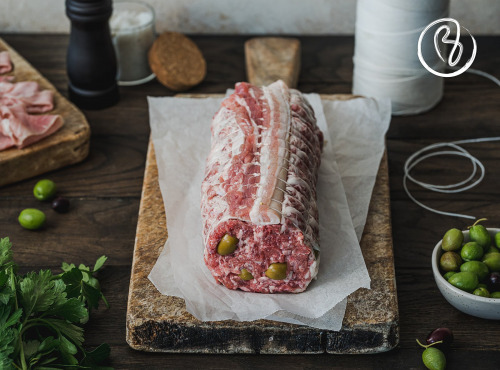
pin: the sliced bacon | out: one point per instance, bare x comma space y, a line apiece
5, 63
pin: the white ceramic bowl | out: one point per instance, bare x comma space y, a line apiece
486, 308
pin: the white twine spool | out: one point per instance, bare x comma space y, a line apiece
385, 55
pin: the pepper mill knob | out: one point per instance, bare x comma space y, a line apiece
91, 61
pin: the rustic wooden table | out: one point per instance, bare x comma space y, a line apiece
105, 192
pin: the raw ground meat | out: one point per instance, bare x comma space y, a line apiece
260, 187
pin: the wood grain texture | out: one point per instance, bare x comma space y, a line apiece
272, 58
106, 191
69, 145
161, 323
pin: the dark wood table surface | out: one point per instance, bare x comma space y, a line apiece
105, 192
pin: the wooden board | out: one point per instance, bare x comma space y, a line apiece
272, 58
67, 146
160, 323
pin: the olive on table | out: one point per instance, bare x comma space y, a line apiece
443, 335
492, 260
449, 274
60, 205
495, 295
493, 282
245, 275
31, 218
480, 235
44, 189
450, 261
452, 240
471, 251
477, 267
276, 271
227, 245
434, 359
482, 292
464, 280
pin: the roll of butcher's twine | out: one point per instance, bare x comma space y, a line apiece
386, 63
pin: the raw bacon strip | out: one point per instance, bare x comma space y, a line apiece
260, 189
28, 93
5, 63
17, 128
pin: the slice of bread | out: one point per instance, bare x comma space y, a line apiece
177, 61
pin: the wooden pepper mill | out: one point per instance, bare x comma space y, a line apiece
91, 62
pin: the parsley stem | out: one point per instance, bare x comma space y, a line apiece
20, 340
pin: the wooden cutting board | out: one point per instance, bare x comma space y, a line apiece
67, 146
160, 323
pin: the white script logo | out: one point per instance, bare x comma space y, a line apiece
452, 60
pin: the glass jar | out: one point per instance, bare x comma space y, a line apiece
133, 32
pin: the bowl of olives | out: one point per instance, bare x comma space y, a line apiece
466, 267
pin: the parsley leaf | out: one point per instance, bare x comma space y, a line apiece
99, 263
41, 313
5, 251
8, 334
38, 292
82, 284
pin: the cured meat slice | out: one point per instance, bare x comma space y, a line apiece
5, 63
260, 218
6, 78
18, 128
28, 93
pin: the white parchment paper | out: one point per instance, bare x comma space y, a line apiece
354, 133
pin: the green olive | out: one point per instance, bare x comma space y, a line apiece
482, 292
449, 274
495, 295
497, 239
450, 261
245, 275
434, 359
452, 240
44, 189
276, 271
471, 251
477, 267
480, 235
227, 245
464, 280
492, 260
492, 249
31, 218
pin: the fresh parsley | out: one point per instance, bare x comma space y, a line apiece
41, 316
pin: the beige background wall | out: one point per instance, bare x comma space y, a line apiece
481, 17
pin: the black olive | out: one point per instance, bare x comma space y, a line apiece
60, 205
440, 334
493, 282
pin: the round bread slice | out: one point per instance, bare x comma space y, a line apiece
176, 61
